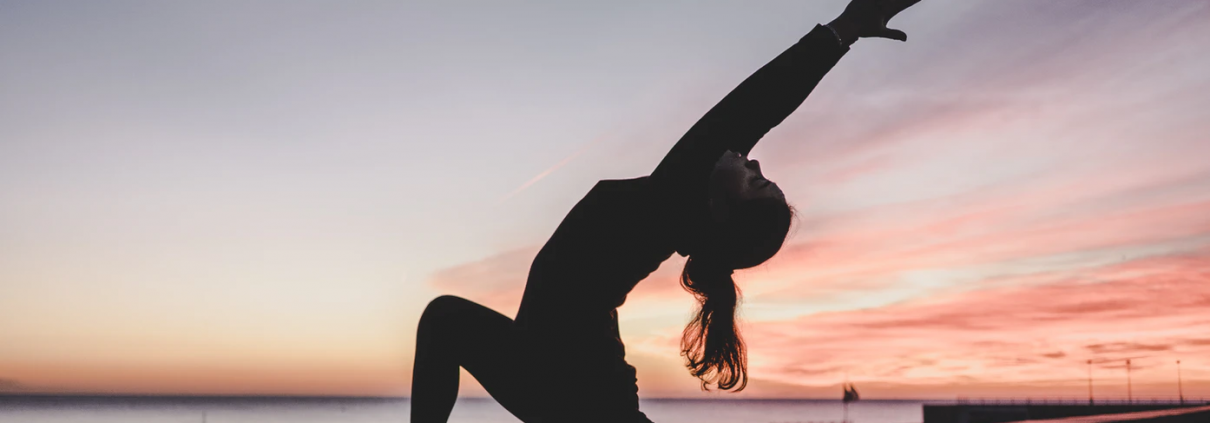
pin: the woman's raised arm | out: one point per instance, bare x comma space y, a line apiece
771, 94
754, 107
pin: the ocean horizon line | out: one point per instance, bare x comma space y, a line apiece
140, 396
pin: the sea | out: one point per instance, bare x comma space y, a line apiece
395, 410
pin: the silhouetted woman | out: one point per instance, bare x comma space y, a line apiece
562, 359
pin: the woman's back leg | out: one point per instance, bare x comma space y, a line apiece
455, 332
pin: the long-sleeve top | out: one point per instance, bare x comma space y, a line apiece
622, 230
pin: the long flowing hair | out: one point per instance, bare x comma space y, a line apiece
711, 343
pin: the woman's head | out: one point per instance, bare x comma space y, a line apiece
749, 214
750, 220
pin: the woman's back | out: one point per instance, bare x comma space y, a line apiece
614, 237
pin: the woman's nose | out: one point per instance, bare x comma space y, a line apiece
753, 164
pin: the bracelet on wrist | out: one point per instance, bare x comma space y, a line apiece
839, 40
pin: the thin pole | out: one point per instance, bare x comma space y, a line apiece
1179, 389
1089, 382
1129, 398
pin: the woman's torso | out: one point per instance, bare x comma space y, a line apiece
611, 239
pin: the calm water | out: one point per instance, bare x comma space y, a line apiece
237, 410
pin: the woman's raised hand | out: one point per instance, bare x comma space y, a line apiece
868, 18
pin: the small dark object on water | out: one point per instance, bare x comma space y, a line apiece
850, 393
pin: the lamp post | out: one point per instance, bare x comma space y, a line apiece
1129, 397
1089, 382
1179, 389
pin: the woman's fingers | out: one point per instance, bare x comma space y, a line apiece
893, 8
893, 34
868, 18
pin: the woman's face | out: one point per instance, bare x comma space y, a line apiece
736, 179
750, 209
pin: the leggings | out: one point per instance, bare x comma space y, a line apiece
455, 332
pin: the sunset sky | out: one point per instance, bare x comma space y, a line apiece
260, 197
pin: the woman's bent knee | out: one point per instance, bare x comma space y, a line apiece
441, 308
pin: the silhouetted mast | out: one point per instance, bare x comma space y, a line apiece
1089, 382
1179, 389
1129, 397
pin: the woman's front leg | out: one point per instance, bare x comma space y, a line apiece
455, 332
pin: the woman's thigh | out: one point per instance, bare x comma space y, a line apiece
484, 343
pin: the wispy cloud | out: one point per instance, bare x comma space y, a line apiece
552, 169
496, 281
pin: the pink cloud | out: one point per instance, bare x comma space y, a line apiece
1152, 310
496, 281
876, 246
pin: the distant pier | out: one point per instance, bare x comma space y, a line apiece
1020, 410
